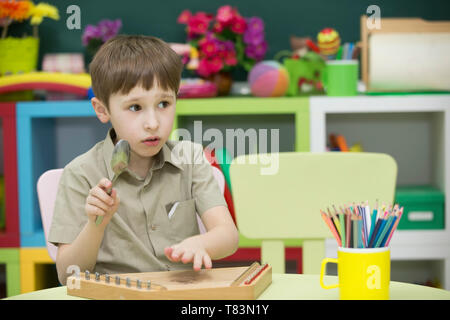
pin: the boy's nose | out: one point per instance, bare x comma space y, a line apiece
151, 123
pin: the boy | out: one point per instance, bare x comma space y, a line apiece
135, 80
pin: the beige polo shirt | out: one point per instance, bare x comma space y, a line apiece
135, 238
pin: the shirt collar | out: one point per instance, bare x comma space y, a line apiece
163, 156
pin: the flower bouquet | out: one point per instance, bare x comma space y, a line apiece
222, 42
95, 35
21, 54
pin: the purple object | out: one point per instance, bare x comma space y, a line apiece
104, 30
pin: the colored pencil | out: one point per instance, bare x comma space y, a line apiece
395, 226
337, 224
368, 221
383, 223
360, 232
332, 222
383, 233
330, 225
383, 244
374, 220
350, 51
342, 222
375, 230
348, 228
364, 225
339, 53
395, 215
354, 226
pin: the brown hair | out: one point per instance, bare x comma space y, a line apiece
125, 61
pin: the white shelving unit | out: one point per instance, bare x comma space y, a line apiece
414, 129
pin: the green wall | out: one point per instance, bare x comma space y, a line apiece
282, 18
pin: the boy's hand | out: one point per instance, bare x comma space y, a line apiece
189, 250
99, 203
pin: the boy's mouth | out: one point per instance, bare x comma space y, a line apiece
151, 141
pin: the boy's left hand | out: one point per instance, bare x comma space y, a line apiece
189, 250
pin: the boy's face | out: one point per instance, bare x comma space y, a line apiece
139, 116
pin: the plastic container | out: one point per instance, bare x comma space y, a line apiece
424, 208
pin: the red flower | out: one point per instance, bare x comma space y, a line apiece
184, 17
230, 58
218, 27
208, 47
207, 67
225, 14
218, 40
199, 23
238, 24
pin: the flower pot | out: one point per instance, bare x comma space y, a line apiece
223, 81
18, 55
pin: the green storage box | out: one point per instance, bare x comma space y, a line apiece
424, 207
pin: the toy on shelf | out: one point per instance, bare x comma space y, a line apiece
328, 41
63, 62
66, 63
301, 46
268, 79
52, 81
339, 143
196, 88
304, 65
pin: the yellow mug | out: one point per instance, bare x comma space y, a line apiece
364, 274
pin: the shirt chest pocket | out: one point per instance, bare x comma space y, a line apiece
183, 220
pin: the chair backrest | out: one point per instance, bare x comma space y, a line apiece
47, 187
286, 204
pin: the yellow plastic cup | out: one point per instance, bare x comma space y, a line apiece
364, 274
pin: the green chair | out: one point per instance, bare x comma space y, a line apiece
281, 199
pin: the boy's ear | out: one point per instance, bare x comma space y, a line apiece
100, 110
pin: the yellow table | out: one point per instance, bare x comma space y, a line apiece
286, 287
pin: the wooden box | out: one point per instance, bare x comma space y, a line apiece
405, 55
235, 283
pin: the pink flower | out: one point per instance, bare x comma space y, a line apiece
218, 39
218, 27
207, 67
256, 52
230, 58
225, 14
184, 17
238, 24
208, 47
255, 25
199, 23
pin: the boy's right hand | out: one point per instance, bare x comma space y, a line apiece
99, 203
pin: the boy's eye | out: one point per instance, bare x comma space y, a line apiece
163, 104
135, 107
